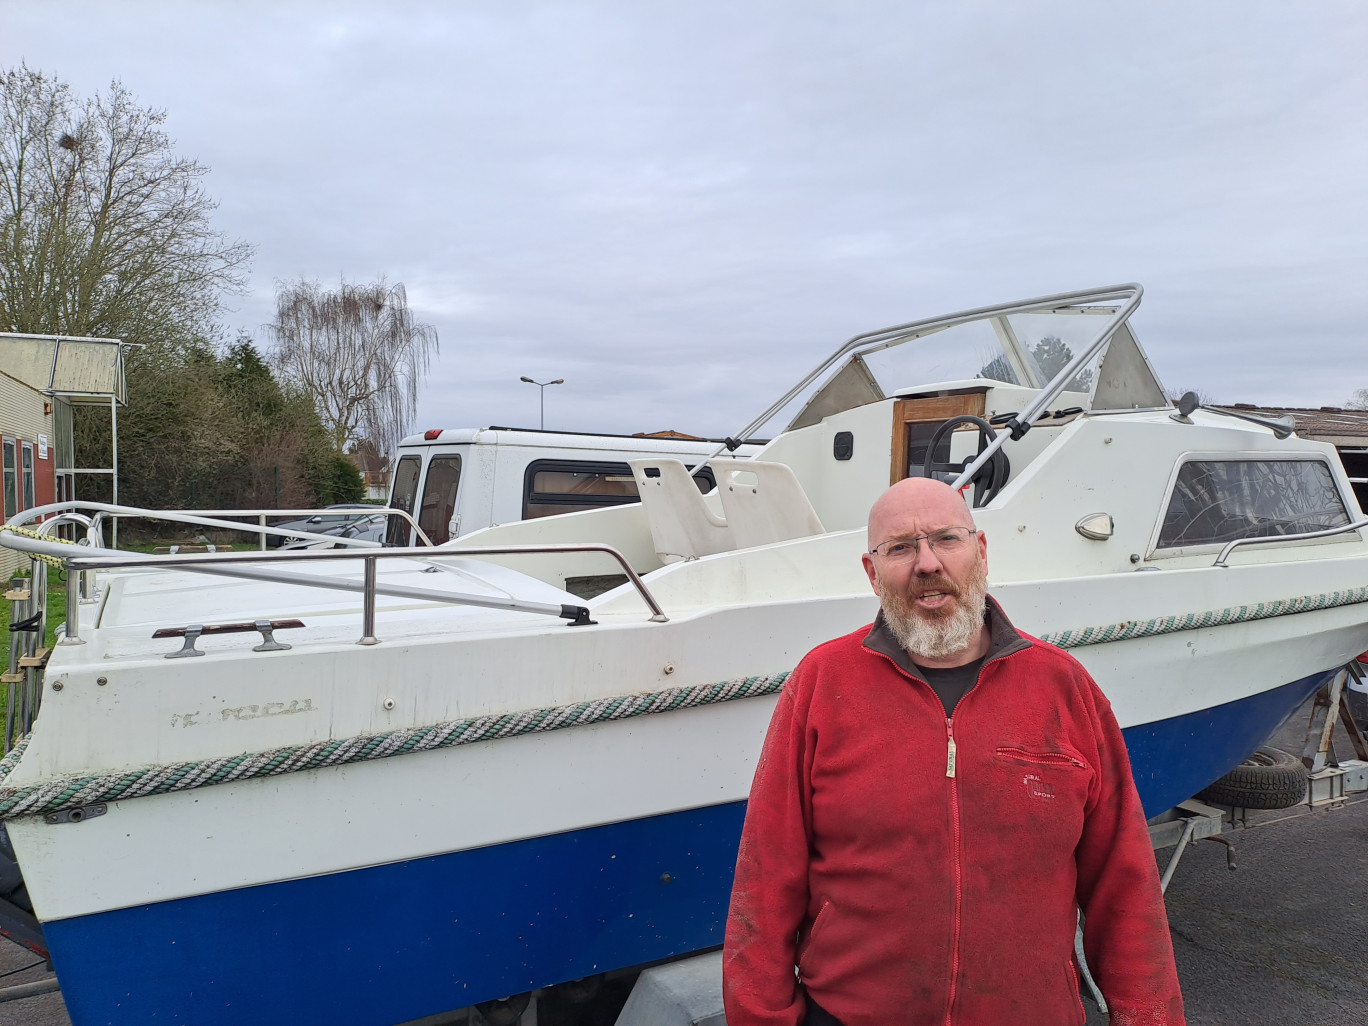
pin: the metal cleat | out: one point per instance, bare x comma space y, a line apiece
268, 641
187, 650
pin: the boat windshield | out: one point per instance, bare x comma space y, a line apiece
1018, 349
1054, 343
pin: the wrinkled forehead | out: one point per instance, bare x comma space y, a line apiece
908, 513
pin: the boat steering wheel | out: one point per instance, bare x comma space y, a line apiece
989, 478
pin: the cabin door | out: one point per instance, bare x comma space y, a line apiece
916, 420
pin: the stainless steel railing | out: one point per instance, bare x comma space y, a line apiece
1274, 539
235, 564
212, 518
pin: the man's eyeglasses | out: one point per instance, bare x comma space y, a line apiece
948, 541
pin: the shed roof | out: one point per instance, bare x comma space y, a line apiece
1332, 424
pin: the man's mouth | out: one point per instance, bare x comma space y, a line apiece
933, 596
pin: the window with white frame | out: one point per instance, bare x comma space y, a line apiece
27, 454
1216, 501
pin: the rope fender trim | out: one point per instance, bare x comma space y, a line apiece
1078, 637
73, 792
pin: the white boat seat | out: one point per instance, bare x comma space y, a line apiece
763, 502
682, 525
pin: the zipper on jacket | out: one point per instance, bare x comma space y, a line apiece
1044, 758
955, 869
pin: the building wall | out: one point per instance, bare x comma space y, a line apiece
22, 419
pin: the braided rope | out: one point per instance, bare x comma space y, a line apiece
72, 792
1078, 637
76, 791
13, 756
49, 560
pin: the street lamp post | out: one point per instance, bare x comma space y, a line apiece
542, 385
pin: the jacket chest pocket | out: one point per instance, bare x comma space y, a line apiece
1038, 783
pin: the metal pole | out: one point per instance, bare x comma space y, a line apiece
73, 608
542, 402
1177, 854
368, 606
11, 692
114, 452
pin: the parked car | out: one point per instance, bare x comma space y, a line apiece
327, 523
368, 528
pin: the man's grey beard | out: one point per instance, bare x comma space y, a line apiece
938, 637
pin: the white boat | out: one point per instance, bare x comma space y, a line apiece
445, 793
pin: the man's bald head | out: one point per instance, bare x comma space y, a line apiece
933, 598
921, 500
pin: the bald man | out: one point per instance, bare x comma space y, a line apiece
938, 797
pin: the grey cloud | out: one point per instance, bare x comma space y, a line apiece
680, 208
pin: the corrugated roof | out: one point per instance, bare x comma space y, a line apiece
1332, 424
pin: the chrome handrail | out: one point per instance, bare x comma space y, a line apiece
198, 519
231, 564
1273, 538
195, 559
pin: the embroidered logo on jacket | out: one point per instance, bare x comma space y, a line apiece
1038, 788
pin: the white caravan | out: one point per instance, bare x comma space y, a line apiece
458, 481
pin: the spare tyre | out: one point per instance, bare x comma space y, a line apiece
1268, 779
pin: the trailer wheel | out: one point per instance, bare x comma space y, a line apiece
1268, 779
505, 1011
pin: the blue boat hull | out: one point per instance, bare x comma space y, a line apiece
377, 946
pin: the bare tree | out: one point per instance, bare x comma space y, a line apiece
1359, 400
103, 229
1204, 398
358, 352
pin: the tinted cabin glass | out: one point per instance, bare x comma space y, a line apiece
402, 496
1216, 501
439, 497
567, 486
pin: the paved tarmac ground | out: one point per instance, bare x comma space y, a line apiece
1281, 940
1278, 942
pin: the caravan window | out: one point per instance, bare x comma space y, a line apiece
568, 486
1216, 501
402, 496
439, 497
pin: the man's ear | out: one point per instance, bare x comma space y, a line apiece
868, 561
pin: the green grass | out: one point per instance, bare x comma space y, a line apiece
56, 614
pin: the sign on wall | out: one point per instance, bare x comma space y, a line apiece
42, 447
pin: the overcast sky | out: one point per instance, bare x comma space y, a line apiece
680, 208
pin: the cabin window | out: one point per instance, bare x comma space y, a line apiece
439, 497
11, 479
1216, 501
403, 495
568, 486
27, 454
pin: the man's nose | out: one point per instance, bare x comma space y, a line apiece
925, 561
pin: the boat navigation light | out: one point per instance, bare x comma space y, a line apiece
1097, 526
